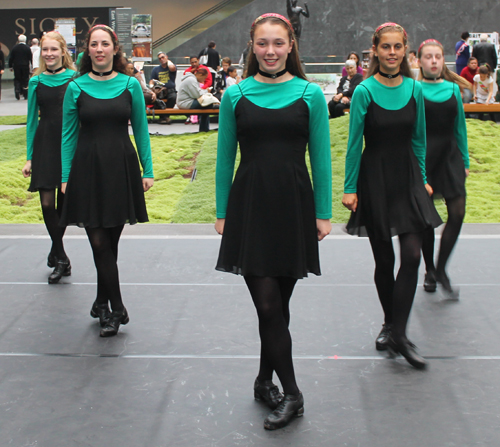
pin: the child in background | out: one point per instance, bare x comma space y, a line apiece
233, 77
483, 86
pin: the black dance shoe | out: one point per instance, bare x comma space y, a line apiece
113, 322
51, 261
452, 293
430, 281
267, 392
408, 350
291, 406
63, 268
100, 311
383, 337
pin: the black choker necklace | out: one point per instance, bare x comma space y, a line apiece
98, 73
432, 79
272, 76
389, 76
57, 70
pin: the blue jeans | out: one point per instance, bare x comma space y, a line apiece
204, 119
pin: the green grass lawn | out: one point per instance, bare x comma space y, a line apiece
174, 198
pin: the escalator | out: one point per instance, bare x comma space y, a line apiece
198, 24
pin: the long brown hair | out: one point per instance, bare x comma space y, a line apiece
293, 64
374, 68
67, 60
445, 72
86, 62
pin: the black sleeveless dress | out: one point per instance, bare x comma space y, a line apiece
392, 198
105, 186
270, 227
46, 158
444, 164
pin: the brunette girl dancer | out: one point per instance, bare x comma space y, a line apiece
45, 98
447, 160
385, 186
100, 171
269, 216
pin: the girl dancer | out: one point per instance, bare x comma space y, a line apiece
447, 160
45, 98
104, 189
385, 187
269, 217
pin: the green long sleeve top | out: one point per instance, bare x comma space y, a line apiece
104, 90
441, 92
390, 98
54, 80
276, 96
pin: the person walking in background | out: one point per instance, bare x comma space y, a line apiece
462, 52
20, 60
101, 176
385, 184
43, 137
447, 158
468, 74
270, 217
485, 53
211, 57
35, 50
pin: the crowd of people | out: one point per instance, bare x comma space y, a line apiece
271, 213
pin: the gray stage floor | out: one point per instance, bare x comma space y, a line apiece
181, 372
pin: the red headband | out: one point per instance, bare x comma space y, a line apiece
385, 25
105, 27
429, 42
276, 16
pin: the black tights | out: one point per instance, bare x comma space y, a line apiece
271, 297
104, 243
456, 214
51, 216
396, 295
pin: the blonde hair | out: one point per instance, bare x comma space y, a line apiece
67, 60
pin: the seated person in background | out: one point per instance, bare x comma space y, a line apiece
342, 100
190, 96
195, 65
233, 77
221, 77
468, 74
483, 87
165, 73
353, 57
149, 95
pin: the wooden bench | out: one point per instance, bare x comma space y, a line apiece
481, 108
474, 108
153, 112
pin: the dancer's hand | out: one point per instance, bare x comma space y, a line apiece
350, 201
429, 189
219, 225
324, 227
63, 187
147, 183
27, 169
467, 173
